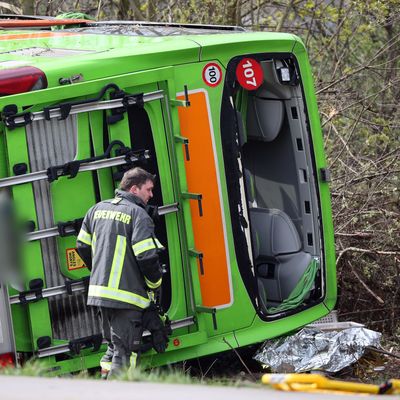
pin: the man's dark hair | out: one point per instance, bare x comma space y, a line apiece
135, 177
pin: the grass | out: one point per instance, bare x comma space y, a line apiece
158, 376
31, 368
173, 375
170, 375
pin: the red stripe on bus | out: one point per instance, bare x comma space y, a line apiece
40, 22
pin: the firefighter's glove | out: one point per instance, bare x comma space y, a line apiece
160, 341
159, 327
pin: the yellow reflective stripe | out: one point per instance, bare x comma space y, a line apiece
106, 365
142, 246
159, 244
85, 237
118, 262
119, 295
133, 361
146, 245
153, 285
94, 243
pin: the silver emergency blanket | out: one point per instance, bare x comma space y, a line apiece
313, 349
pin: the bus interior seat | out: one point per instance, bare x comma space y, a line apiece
265, 119
277, 249
279, 261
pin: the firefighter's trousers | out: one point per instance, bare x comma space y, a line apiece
122, 329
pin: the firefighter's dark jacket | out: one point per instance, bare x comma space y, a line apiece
117, 241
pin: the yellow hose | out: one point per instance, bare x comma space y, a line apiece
314, 382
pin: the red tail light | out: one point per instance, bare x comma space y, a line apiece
7, 360
21, 80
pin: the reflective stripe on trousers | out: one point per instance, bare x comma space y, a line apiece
118, 294
133, 361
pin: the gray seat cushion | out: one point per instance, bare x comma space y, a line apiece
279, 261
266, 119
273, 233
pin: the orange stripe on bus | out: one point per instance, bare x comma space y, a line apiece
202, 177
35, 35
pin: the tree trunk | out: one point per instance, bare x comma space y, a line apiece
28, 7
285, 15
233, 12
151, 10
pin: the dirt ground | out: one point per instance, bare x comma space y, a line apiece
373, 367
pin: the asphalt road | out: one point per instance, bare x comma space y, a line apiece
29, 388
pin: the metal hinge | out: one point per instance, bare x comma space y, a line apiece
325, 175
12, 119
72, 168
38, 293
199, 256
65, 348
209, 310
181, 103
195, 196
69, 228
185, 142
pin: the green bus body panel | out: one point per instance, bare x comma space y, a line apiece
140, 64
326, 212
243, 44
191, 75
3, 156
129, 54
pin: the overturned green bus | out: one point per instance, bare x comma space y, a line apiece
226, 119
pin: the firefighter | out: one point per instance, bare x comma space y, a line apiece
118, 245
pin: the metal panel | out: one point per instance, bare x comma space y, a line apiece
6, 334
154, 29
9, 271
52, 143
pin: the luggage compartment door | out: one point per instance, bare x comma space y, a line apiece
67, 148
